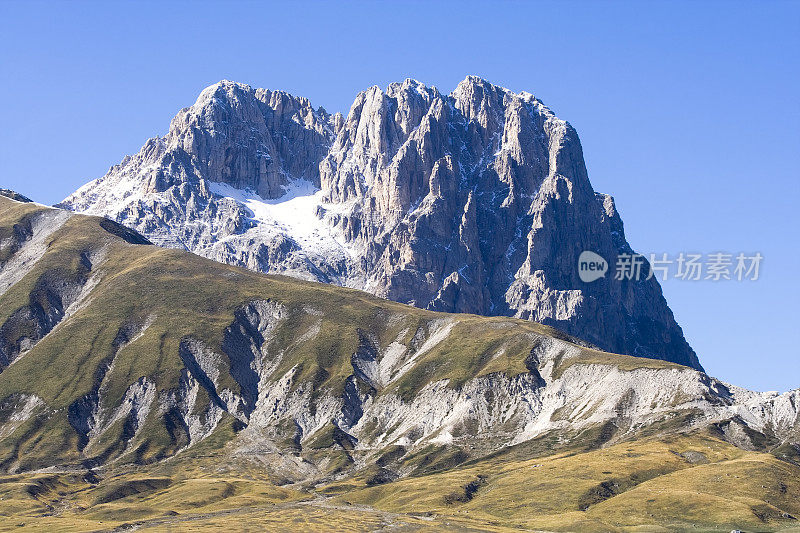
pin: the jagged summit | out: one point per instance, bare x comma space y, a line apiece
477, 201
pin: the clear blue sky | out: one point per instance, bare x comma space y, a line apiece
688, 113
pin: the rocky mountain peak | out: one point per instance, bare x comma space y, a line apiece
250, 139
478, 201
478, 99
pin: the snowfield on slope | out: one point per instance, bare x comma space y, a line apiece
296, 215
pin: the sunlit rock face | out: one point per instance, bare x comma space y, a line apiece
477, 201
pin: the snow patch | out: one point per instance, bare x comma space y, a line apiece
296, 215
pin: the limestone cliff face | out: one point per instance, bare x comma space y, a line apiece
259, 140
477, 201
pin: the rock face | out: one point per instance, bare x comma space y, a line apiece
477, 201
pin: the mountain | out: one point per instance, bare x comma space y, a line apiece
473, 202
149, 387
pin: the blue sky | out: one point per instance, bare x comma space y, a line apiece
688, 113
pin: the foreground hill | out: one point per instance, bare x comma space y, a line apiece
142, 384
477, 201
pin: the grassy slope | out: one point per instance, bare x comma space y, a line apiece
689, 482
186, 295
684, 482
631, 483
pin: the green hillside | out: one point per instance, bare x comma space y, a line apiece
127, 397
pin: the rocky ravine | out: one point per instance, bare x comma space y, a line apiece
126, 369
477, 201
